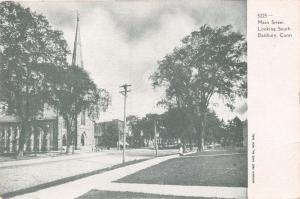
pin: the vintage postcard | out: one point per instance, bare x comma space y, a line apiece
176, 99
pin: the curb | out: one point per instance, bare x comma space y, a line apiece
16, 163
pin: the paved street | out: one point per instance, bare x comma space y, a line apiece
16, 175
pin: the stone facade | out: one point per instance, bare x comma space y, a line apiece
43, 135
47, 133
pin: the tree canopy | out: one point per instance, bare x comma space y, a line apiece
71, 91
26, 40
210, 61
34, 72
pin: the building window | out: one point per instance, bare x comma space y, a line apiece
83, 117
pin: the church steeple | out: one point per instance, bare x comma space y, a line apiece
77, 51
77, 60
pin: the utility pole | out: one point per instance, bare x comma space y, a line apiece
119, 136
124, 92
155, 138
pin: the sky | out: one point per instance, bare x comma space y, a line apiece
122, 41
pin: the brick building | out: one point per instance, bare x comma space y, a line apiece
108, 133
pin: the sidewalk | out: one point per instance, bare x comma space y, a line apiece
104, 181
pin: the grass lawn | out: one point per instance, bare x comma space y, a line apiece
227, 171
95, 194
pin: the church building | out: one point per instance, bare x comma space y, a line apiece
48, 131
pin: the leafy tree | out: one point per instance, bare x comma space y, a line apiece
27, 40
134, 125
111, 134
235, 132
213, 128
210, 61
179, 125
70, 85
101, 102
147, 125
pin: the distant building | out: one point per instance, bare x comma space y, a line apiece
108, 133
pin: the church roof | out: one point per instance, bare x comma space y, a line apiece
8, 119
13, 119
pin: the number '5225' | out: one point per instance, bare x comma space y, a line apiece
262, 15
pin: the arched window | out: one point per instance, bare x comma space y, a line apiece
82, 117
64, 140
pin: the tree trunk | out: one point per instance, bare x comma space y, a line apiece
68, 136
200, 146
200, 129
22, 139
191, 144
21, 145
24, 120
183, 145
75, 132
199, 137
73, 147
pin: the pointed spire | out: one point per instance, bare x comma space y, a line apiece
77, 51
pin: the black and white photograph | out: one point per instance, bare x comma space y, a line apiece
123, 99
